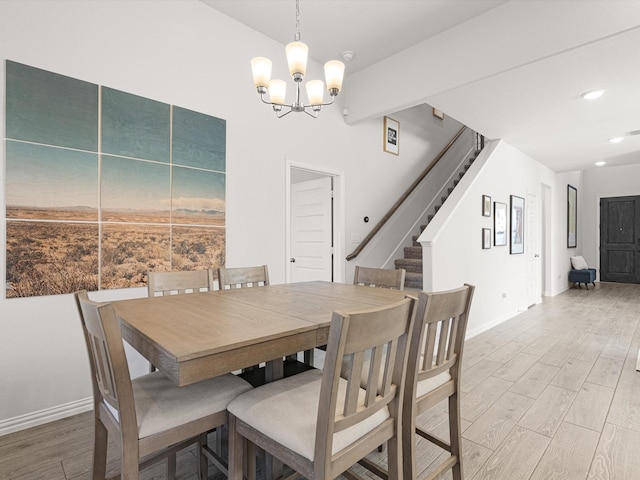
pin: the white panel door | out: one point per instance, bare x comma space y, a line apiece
311, 231
531, 251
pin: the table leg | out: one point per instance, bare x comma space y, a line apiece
274, 370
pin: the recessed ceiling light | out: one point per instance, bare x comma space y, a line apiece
600, 164
616, 139
592, 95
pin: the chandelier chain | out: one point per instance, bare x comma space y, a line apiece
297, 20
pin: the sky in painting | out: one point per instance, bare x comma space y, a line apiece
41, 176
48, 108
198, 190
135, 126
134, 184
198, 140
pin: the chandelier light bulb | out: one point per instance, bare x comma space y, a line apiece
297, 53
315, 92
277, 91
333, 74
261, 69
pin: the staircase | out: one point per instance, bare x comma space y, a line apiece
412, 261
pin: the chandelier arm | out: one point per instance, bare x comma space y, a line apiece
314, 114
290, 107
263, 100
284, 114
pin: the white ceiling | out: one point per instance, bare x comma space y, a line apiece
535, 106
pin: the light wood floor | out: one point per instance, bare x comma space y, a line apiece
550, 394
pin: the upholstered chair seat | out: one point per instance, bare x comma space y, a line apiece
161, 406
292, 406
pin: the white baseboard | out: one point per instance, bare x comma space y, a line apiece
41, 417
483, 328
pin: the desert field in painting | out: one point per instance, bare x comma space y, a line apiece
130, 251
54, 257
82, 213
162, 216
50, 258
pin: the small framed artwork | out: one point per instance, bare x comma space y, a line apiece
438, 113
486, 206
499, 224
517, 225
391, 136
572, 217
486, 238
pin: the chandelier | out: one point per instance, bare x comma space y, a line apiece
297, 60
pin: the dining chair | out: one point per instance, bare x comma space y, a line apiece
435, 363
150, 417
180, 283
242, 277
433, 375
380, 277
320, 424
170, 283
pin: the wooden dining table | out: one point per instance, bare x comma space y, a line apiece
201, 335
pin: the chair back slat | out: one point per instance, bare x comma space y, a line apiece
104, 374
378, 375
243, 277
429, 345
379, 277
178, 283
380, 335
444, 346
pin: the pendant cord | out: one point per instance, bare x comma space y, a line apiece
297, 37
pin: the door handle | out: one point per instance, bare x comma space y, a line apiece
292, 260
537, 256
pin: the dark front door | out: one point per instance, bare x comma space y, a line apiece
620, 239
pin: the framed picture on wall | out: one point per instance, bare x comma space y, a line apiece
391, 136
499, 224
486, 238
517, 225
572, 217
486, 206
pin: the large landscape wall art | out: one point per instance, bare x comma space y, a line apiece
103, 186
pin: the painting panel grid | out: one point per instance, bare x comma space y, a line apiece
98, 210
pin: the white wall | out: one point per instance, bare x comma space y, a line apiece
453, 252
187, 54
602, 183
422, 136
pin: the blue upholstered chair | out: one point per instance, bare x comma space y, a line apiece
581, 273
